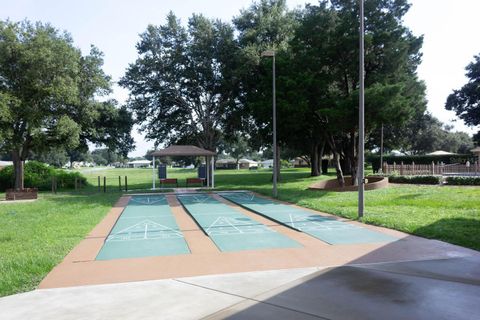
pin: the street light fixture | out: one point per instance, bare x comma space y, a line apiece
361, 120
271, 53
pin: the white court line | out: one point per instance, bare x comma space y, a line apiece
149, 201
226, 220
241, 196
291, 220
129, 230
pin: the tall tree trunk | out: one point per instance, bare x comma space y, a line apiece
336, 157
18, 170
320, 150
314, 172
338, 169
352, 159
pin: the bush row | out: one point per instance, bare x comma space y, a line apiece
39, 175
463, 181
415, 179
459, 181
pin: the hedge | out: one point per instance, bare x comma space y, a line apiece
39, 175
463, 181
447, 159
415, 179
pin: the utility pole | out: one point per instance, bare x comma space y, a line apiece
271, 53
361, 122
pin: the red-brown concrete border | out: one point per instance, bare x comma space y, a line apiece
374, 182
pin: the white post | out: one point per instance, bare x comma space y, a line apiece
213, 172
207, 171
153, 173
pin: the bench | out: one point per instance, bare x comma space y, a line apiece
195, 181
169, 181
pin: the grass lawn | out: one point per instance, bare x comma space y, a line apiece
35, 236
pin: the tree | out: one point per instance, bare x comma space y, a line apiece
104, 156
38, 72
265, 25
182, 85
466, 101
55, 157
47, 94
425, 133
238, 148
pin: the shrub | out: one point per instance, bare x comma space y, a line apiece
39, 175
415, 179
464, 181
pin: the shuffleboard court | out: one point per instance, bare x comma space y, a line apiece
145, 228
324, 228
229, 229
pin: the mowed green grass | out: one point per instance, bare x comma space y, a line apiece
36, 236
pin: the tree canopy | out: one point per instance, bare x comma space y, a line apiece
48, 92
182, 85
466, 101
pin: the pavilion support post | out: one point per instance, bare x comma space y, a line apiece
207, 171
153, 173
213, 172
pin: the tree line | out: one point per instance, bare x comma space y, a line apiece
205, 83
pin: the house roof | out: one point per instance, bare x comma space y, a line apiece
139, 162
440, 153
182, 151
222, 161
476, 150
247, 161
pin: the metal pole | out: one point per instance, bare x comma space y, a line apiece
361, 123
381, 150
207, 171
213, 172
153, 173
275, 163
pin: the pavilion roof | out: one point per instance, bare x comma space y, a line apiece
182, 150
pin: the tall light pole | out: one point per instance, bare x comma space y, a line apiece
271, 53
361, 121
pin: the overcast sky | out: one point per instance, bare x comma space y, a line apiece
450, 28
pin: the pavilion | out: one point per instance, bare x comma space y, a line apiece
476, 151
188, 151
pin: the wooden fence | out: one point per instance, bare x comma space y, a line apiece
432, 169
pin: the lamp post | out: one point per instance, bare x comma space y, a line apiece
361, 120
271, 53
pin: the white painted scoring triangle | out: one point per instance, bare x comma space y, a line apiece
144, 230
225, 226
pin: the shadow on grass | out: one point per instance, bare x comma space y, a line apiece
409, 196
460, 231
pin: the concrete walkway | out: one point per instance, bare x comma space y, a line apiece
429, 289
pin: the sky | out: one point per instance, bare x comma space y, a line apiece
449, 27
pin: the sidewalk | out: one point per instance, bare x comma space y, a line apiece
428, 289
